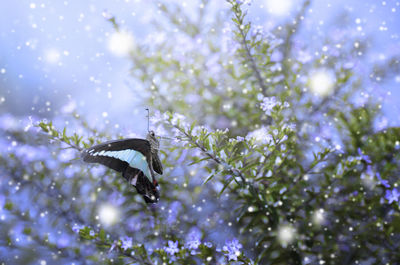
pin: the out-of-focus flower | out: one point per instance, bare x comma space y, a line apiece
363, 156
233, 249
76, 228
268, 104
113, 245
126, 242
260, 136
239, 138
208, 244
172, 247
193, 239
392, 195
66, 155
384, 182
243, 2
175, 207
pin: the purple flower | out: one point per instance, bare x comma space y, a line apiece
364, 157
76, 228
239, 138
193, 244
172, 247
126, 243
243, 2
233, 249
392, 195
208, 244
384, 182
268, 104
193, 239
113, 245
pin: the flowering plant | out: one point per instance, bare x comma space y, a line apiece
261, 170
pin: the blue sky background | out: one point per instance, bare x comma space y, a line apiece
54, 53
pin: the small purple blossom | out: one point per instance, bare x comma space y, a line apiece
193, 239
193, 244
364, 157
233, 249
76, 228
268, 104
172, 247
243, 2
384, 182
113, 245
392, 195
126, 242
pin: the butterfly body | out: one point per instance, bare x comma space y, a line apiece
137, 160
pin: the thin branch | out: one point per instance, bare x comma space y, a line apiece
219, 161
249, 56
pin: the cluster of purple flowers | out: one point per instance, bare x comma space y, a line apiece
269, 103
126, 242
232, 249
172, 247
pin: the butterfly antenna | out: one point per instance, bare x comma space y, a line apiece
148, 120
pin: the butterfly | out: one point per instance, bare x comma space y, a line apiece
137, 160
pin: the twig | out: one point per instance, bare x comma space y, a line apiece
249, 56
226, 166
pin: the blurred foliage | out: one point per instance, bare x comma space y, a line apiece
297, 177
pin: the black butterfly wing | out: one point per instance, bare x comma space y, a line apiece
94, 154
157, 165
121, 155
147, 189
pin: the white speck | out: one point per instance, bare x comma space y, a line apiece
108, 214
104, 114
319, 217
52, 56
121, 43
32, 5
3, 70
286, 234
322, 82
279, 7
358, 21
43, 262
250, 209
